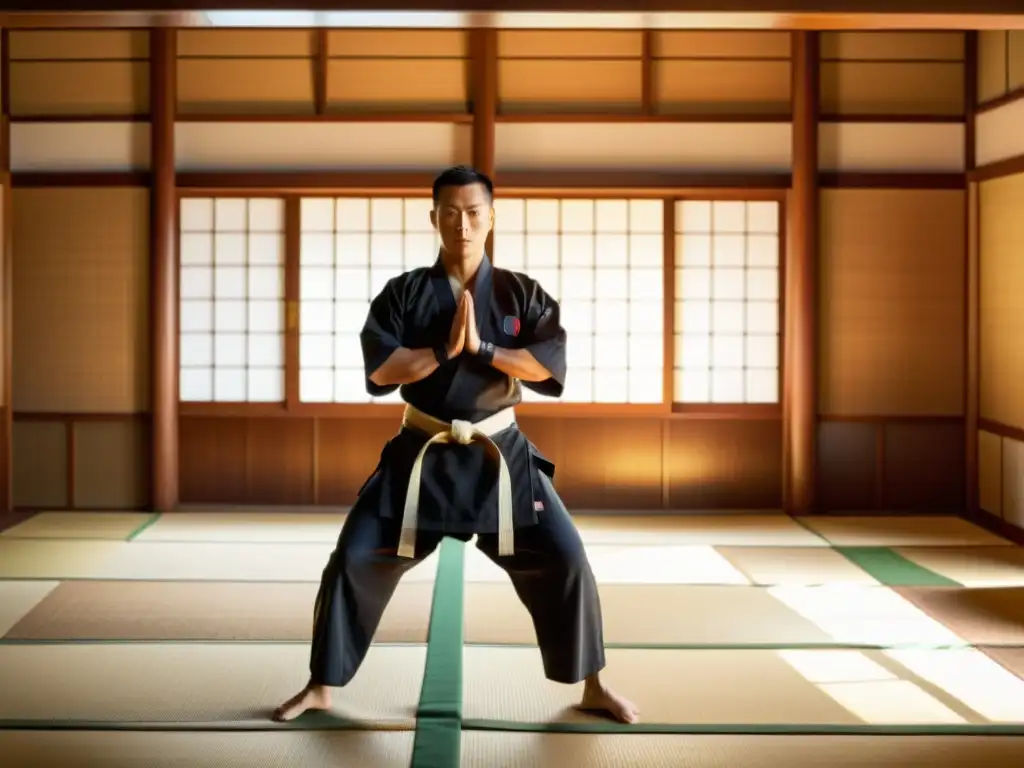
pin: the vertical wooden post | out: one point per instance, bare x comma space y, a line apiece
972, 372
800, 353
163, 269
483, 83
6, 277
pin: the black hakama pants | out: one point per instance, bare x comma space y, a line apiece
549, 570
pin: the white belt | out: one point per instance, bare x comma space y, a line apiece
464, 433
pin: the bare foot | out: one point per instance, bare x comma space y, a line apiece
310, 697
599, 698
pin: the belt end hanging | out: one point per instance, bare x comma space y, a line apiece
407, 543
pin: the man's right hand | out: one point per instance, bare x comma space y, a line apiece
457, 336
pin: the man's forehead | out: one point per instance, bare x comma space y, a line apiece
468, 196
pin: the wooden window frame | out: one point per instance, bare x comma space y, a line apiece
409, 185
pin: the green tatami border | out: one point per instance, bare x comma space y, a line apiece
892, 569
151, 521
438, 741
779, 729
317, 721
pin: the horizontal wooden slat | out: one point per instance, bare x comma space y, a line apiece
397, 43
893, 46
569, 44
722, 87
115, 44
244, 43
892, 88
111, 88
249, 86
721, 45
436, 84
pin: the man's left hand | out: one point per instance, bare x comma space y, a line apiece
472, 334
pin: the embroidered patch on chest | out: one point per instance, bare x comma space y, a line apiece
510, 325
538, 506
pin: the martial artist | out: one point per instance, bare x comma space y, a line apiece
461, 338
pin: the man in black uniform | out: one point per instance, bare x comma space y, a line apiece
461, 338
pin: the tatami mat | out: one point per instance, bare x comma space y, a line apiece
488, 749
916, 531
56, 558
170, 610
18, 598
858, 615
196, 683
242, 527
139, 560
972, 566
763, 530
651, 615
633, 565
993, 616
80, 525
289, 749
749, 687
1011, 659
722, 616
795, 565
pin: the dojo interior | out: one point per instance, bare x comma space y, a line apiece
790, 263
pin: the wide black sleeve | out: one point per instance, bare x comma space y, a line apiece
382, 333
544, 337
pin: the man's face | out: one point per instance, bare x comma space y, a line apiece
463, 218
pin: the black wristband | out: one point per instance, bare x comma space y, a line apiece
486, 352
441, 354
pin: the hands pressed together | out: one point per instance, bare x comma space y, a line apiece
464, 335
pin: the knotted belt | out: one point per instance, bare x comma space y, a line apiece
464, 433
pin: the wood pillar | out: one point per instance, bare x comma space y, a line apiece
800, 339
972, 500
163, 270
6, 286
483, 83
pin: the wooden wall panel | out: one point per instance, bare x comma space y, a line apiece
79, 72
346, 452
725, 73
1001, 469
923, 468
398, 70
213, 460
1000, 63
724, 464
567, 71
886, 73
990, 473
848, 478
1001, 319
279, 461
81, 263
248, 72
111, 466
891, 302
617, 463
1013, 481
891, 465
40, 470
602, 463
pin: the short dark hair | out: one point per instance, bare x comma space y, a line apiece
462, 176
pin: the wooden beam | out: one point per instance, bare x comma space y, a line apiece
799, 342
484, 85
6, 287
163, 271
972, 257
320, 66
